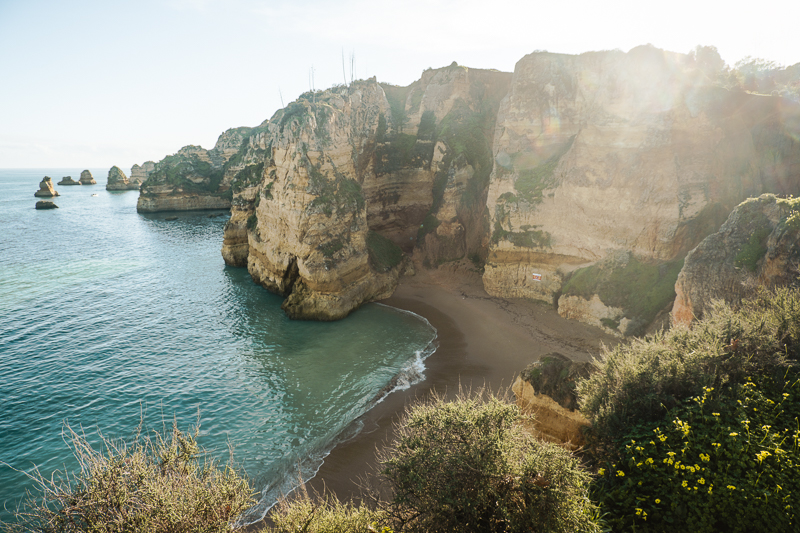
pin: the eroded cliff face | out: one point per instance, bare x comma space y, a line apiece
610, 167
758, 246
341, 182
193, 178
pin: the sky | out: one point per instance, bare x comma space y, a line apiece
99, 83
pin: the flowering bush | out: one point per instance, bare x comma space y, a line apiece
719, 462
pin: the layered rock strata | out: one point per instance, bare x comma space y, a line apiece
613, 166
758, 246
118, 181
87, 179
46, 189
67, 180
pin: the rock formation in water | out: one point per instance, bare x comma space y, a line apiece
87, 179
581, 181
194, 178
758, 246
118, 181
611, 166
45, 204
67, 180
46, 189
140, 173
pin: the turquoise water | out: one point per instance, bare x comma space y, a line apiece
108, 316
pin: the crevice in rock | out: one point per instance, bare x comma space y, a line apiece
290, 276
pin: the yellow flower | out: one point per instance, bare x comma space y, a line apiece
658, 501
685, 483
715, 414
620, 473
649, 461
733, 434
702, 481
731, 487
638, 511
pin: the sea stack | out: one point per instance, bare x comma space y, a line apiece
118, 181
140, 173
46, 189
87, 179
67, 180
45, 204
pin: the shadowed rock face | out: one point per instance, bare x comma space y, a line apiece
87, 179
118, 181
45, 204
67, 180
46, 189
758, 246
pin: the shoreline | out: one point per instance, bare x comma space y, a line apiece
483, 341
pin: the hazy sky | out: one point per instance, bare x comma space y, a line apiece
100, 83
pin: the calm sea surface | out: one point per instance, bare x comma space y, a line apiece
108, 316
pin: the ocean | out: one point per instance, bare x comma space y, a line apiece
110, 318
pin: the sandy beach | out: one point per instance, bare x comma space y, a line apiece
482, 341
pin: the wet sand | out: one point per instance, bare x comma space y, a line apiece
482, 341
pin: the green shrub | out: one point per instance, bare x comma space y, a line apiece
639, 382
723, 461
467, 465
252, 221
303, 513
154, 484
753, 250
383, 253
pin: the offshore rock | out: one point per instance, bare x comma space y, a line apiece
193, 178
67, 180
610, 153
45, 204
46, 189
118, 181
87, 179
139, 173
757, 247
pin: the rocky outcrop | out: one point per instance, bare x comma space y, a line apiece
45, 204
87, 179
546, 389
611, 166
67, 180
194, 178
758, 246
140, 173
46, 189
118, 181
340, 182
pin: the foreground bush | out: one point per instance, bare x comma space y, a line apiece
641, 381
467, 465
303, 513
720, 462
158, 484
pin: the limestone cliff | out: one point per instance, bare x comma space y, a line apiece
118, 181
140, 173
67, 180
46, 189
341, 181
611, 166
87, 179
758, 246
193, 178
